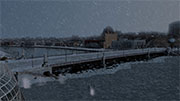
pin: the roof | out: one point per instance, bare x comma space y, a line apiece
108, 29
175, 24
8, 84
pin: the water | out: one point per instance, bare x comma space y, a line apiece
36, 52
157, 79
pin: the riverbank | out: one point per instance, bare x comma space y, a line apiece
157, 79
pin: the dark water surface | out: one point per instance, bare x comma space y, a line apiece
144, 81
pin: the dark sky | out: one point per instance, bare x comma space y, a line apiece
63, 18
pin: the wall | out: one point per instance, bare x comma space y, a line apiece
109, 37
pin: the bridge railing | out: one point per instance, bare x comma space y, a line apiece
37, 62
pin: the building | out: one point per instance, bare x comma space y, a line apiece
77, 44
93, 43
48, 43
7, 43
174, 28
174, 33
9, 89
121, 44
128, 44
109, 36
139, 43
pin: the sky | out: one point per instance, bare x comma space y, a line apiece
65, 18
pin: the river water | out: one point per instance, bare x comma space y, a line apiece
36, 52
156, 79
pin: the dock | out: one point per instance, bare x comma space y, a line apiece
53, 63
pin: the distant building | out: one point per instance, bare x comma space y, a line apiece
174, 33
121, 44
93, 43
77, 44
174, 28
109, 36
40, 43
128, 44
48, 43
58, 44
139, 43
29, 44
7, 43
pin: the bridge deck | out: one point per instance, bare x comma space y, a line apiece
36, 63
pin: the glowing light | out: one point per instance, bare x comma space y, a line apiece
92, 91
62, 79
26, 83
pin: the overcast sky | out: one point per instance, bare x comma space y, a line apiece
63, 18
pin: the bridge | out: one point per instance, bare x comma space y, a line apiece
40, 65
67, 48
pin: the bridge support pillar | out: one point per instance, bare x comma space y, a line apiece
104, 60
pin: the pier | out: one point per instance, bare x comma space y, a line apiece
76, 61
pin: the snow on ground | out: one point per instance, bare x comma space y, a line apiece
157, 79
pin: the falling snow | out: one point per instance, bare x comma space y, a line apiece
67, 18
